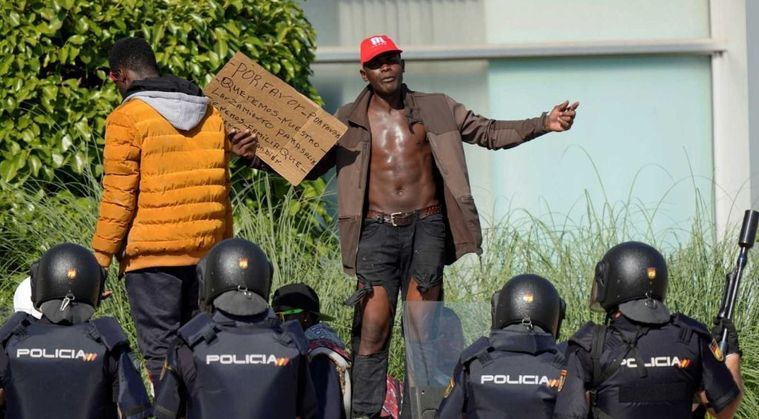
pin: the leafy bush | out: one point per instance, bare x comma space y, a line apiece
55, 95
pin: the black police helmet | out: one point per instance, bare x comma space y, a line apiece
235, 276
632, 277
529, 299
67, 283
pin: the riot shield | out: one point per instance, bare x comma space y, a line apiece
435, 333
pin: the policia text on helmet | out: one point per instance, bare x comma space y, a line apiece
530, 300
67, 283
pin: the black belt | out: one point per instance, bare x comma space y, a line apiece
403, 218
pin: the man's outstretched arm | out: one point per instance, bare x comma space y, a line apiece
494, 134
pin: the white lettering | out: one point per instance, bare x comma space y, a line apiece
657, 362
245, 359
525, 380
44, 353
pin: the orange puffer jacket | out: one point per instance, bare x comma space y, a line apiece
165, 190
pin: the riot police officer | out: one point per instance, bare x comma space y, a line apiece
65, 365
644, 362
517, 371
236, 359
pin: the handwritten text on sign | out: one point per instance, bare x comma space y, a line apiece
293, 132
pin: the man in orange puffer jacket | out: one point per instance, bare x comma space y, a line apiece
165, 196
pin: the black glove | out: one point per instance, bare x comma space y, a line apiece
732, 346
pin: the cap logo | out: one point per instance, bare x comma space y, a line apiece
71, 274
528, 298
243, 263
377, 41
651, 273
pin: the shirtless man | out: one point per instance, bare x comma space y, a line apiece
405, 205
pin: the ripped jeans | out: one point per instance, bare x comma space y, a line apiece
390, 256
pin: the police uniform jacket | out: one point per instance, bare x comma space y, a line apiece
515, 373
658, 370
81, 371
225, 366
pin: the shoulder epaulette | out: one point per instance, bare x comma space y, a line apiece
108, 331
560, 356
583, 337
200, 328
562, 347
13, 324
689, 326
479, 346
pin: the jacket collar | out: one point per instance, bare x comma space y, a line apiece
360, 110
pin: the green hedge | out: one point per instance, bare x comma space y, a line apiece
55, 95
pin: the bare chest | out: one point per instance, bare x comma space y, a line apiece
393, 136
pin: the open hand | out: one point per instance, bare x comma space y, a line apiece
561, 117
244, 143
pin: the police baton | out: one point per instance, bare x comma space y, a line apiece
733, 279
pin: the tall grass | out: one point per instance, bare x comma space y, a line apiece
561, 249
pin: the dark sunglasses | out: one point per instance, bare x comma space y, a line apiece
283, 314
383, 59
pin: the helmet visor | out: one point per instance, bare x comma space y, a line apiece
596, 295
74, 312
646, 310
241, 303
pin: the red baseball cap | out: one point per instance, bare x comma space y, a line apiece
376, 45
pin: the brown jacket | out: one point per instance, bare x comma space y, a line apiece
448, 123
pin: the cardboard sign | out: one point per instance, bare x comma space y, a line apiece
293, 132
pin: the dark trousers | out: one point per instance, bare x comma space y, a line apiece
161, 300
390, 256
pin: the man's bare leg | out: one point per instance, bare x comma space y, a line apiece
373, 323
377, 318
376, 321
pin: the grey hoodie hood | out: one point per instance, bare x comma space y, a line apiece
183, 111
180, 101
